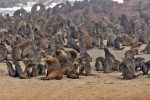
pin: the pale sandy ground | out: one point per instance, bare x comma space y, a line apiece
99, 87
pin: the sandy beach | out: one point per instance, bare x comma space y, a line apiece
103, 86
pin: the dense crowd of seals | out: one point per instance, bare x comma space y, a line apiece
63, 42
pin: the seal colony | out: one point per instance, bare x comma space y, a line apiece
64, 41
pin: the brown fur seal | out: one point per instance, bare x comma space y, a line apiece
127, 74
72, 55
98, 65
10, 69
18, 68
63, 60
74, 72
130, 53
127, 68
54, 70
3, 53
87, 67
147, 48
108, 65
108, 54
